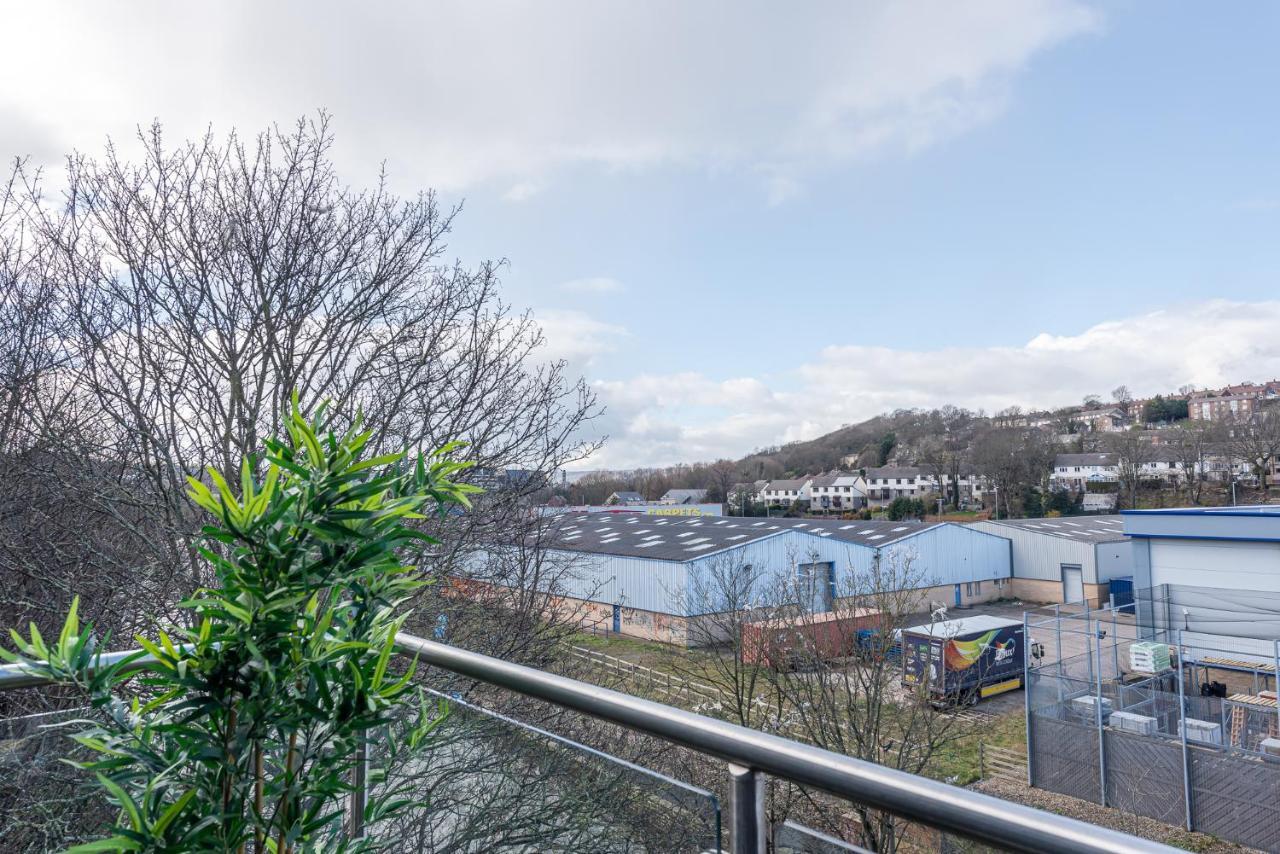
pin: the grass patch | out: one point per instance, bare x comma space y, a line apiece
959, 761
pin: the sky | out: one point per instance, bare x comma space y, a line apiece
747, 223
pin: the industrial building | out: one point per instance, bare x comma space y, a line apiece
1169, 709
648, 576
1230, 548
1066, 559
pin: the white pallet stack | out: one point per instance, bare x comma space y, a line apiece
1149, 657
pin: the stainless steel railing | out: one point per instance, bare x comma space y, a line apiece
750, 755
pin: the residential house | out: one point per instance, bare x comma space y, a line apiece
1074, 471
1162, 465
837, 491
624, 497
683, 496
886, 483
1221, 408
786, 491
1103, 420
1232, 402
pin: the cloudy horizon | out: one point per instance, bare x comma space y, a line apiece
748, 225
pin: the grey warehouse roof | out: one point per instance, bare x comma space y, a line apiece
1090, 529
874, 534
682, 539
656, 537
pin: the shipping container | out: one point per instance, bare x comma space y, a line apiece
962, 661
787, 643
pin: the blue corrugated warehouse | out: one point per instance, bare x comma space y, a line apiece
653, 578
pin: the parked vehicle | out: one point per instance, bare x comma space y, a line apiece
962, 661
791, 642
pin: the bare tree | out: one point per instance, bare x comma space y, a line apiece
1014, 460
1191, 443
723, 474
156, 317
1132, 450
1256, 440
1123, 398
812, 660
856, 704
158, 313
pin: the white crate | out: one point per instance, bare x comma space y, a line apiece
1203, 731
1087, 707
1132, 722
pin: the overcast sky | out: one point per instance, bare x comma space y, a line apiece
747, 223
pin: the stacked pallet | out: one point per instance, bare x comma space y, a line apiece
1236, 664
1149, 657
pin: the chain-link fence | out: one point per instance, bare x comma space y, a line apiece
1176, 745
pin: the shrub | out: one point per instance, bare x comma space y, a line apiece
251, 715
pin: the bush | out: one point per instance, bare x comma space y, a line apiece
254, 710
905, 508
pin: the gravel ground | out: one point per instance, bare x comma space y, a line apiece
1114, 819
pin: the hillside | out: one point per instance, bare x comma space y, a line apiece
874, 441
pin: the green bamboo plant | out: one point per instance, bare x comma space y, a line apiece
243, 727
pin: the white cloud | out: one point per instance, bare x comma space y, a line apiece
594, 285
576, 336
522, 191
655, 420
455, 94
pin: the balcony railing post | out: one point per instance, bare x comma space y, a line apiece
359, 791
747, 825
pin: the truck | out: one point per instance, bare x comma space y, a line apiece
962, 661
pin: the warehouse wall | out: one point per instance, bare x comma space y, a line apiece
775, 558
1114, 560
954, 554
1040, 556
647, 584
1044, 592
1225, 564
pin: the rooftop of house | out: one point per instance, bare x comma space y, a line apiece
832, 478
793, 484
1062, 460
684, 496
1092, 529
894, 472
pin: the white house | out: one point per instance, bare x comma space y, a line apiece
837, 491
886, 483
786, 491
1074, 471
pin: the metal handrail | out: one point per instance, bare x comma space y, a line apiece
751, 754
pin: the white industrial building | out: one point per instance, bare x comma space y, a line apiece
1214, 573
648, 577
1065, 559
1229, 548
